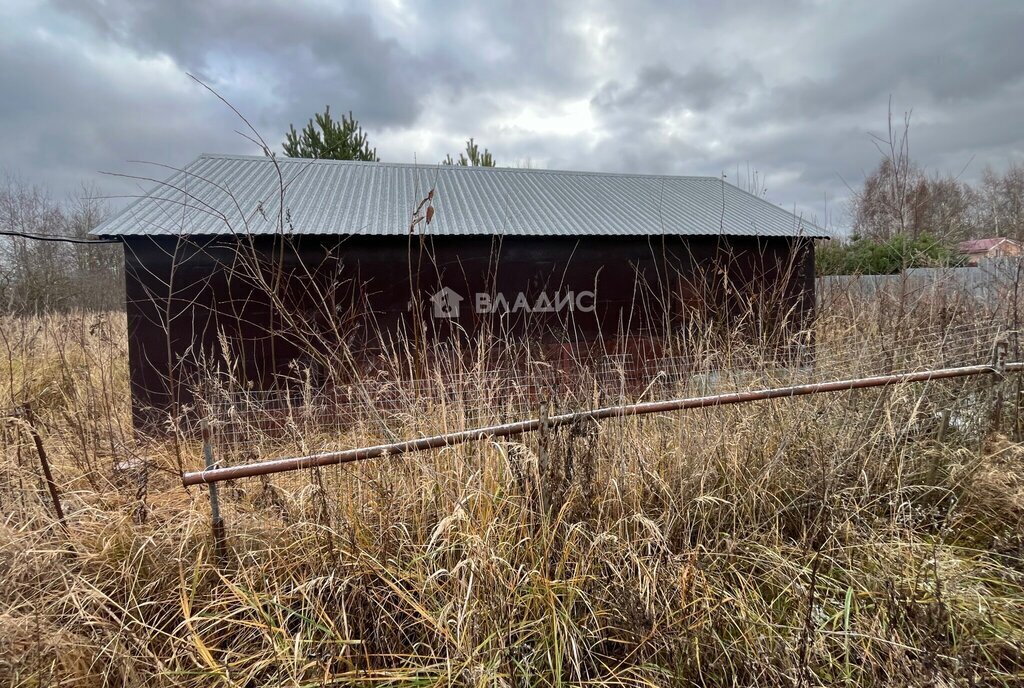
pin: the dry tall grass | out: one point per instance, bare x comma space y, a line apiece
822, 540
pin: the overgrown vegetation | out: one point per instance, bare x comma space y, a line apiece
812, 541
863, 538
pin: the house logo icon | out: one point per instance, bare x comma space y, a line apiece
446, 303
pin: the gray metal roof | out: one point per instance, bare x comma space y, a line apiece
231, 194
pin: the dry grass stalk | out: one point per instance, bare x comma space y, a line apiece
819, 540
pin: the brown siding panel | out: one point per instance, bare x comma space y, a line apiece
187, 297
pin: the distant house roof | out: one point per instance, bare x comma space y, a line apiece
982, 245
231, 194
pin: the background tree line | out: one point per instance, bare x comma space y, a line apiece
908, 202
38, 276
903, 217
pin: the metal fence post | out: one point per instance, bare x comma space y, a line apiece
1016, 387
44, 463
542, 456
999, 353
219, 535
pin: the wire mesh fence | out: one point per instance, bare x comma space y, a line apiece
250, 425
382, 405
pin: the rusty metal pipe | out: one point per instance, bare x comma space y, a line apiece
534, 424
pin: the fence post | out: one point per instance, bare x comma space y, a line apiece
999, 363
1015, 388
219, 536
542, 455
45, 464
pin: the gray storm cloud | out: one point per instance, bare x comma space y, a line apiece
694, 88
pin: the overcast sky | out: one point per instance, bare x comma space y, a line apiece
791, 89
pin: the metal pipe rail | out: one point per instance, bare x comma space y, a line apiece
535, 424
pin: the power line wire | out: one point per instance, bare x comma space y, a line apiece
57, 238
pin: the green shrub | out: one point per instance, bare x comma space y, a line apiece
862, 256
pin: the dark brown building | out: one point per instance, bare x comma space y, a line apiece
248, 265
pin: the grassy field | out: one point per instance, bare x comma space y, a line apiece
828, 540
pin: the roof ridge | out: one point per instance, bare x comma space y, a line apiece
454, 168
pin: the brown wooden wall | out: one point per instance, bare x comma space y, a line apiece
188, 298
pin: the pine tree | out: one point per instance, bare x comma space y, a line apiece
473, 157
329, 139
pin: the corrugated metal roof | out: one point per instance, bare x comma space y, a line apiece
981, 245
225, 194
